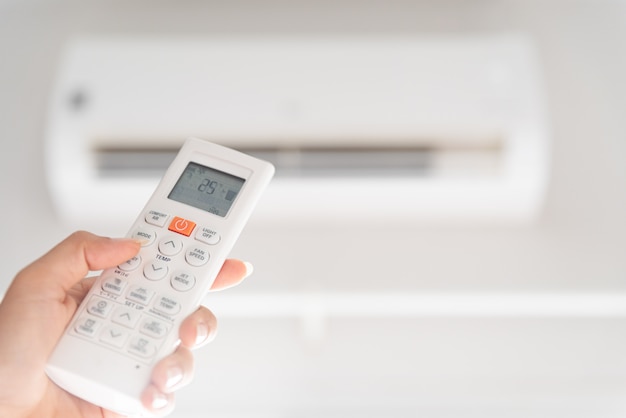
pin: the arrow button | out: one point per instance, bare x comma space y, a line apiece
170, 246
114, 336
155, 270
126, 317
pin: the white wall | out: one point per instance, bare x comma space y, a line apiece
372, 365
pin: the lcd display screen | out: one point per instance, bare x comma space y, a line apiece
206, 188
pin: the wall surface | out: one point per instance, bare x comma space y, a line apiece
372, 364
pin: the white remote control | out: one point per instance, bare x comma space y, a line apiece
129, 320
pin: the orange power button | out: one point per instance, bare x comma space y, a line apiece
182, 226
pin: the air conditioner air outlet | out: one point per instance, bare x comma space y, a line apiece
419, 158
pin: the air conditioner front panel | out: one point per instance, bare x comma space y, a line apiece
468, 111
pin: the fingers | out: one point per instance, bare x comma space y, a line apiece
198, 329
82, 251
157, 402
169, 375
42, 289
232, 273
201, 326
176, 370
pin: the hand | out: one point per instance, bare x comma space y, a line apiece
38, 306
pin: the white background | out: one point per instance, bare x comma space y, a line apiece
359, 364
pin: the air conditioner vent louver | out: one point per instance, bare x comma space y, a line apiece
419, 160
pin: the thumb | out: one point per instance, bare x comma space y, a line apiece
70, 261
37, 307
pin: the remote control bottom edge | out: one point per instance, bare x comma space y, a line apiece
92, 392
83, 374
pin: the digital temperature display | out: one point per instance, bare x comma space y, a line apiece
206, 188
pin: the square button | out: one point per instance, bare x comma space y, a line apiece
182, 226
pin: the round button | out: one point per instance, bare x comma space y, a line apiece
131, 264
155, 270
146, 236
170, 246
208, 235
197, 256
182, 281
156, 218
167, 305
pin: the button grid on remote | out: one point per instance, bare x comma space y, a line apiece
139, 319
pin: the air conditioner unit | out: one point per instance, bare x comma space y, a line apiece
376, 130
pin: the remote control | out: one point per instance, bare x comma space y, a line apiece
129, 320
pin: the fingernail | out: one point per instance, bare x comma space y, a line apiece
249, 269
202, 333
140, 241
174, 377
159, 401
